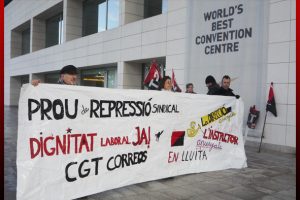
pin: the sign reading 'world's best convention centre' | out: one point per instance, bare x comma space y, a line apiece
228, 38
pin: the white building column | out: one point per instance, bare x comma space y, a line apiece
176, 39
131, 11
72, 27
15, 88
37, 34
129, 75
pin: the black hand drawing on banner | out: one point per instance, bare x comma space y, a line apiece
157, 135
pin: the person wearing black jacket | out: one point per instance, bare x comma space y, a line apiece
225, 89
212, 86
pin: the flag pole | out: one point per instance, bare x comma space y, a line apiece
262, 134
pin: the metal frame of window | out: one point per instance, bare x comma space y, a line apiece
60, 29
106, 20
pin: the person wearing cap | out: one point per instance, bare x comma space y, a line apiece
212, 86
68, 76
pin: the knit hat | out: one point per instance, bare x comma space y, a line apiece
210, 79
69, 69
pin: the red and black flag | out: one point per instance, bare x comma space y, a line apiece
271, 105
175, 86
153, 78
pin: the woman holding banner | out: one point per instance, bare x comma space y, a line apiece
166, 84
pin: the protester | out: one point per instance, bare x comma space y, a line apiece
68, 76
225, 89
212, 86
166, 84
190, 88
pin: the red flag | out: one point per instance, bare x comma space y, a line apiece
175, 86
153, 78
271, 105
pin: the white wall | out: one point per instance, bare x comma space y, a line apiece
280, 131
176, 38
282, 71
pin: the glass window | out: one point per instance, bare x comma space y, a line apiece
26, 41
113, 14
99, 78
112, 78
52, 78
164, 6
155, 7
99, 15
90, 16
54, 30
24, 79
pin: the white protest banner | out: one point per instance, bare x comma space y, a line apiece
75, 141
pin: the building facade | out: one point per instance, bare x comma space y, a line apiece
113, 42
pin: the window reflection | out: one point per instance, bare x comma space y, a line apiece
52, 77
26, 41
99, 15
113, 14
102, 16
54, 30
155, 7
99, 77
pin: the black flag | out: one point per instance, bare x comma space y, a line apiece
271, 105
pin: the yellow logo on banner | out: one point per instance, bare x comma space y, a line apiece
192, 131
213, 116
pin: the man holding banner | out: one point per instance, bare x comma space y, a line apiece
68, 76
225, 89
